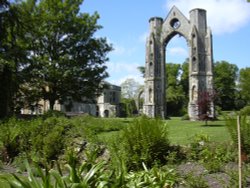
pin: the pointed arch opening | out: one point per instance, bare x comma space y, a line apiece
177, 81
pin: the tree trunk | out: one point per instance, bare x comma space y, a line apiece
5, 92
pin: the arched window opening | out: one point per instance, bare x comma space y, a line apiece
150, 96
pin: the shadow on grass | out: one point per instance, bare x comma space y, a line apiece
126, 121
212, 125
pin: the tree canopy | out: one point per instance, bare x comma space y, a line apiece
225, 76
130, 91
60, 55
244, 85
176, 81
130, 88
11, 54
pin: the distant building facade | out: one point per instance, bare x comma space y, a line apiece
108, 103
105, 105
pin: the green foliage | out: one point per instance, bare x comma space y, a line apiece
198, 144
11, 56
41, 140
225, 75
144, 140
5, 90
153, 178
12, 139
185, 117
245, 111
212, 156
175, 95
130, 91
69, 58
128, 108
53, 113
90, 174
184, 82
48, 51
244, 84
231, 123
48, 137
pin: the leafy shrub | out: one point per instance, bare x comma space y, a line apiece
231, 123
45, 139
245, 111
48, 137
185, 117
198, 144
11, 139
53, 113
211, 155
215, 157
218, 110
144, 140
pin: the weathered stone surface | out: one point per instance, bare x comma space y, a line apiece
199, 40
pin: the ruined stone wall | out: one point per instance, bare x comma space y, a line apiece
199, 40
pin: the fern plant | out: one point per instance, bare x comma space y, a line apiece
231, 123
144, 140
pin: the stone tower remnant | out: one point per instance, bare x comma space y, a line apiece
199, 41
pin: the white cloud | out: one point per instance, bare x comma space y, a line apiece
118, 50
121, 50
137, 78
122, 67
178, 51
120, 71
224, 16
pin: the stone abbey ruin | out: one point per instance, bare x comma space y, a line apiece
199, 41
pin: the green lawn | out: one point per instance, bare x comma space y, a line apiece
182, 131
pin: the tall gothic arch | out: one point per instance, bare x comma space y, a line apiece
199, 40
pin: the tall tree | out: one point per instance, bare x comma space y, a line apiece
225, 76
174, 91
244, 85
11, 55
130, 90
184, 82
65, 58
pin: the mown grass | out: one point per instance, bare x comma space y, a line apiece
181, 132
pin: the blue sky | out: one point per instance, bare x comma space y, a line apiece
125, 25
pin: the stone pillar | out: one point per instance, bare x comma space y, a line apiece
153, 102
200, 72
